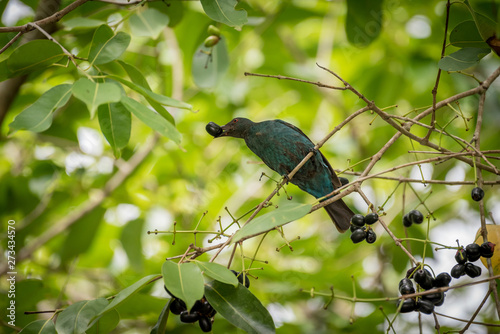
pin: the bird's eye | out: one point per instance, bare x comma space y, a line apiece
235, 121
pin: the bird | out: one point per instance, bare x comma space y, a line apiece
282, 146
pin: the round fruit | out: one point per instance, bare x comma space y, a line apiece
371, 218
442, 280
425, 306
242, 278
406, 289
416, 217
196, 307
457, 271
424, 278
189, 317
358, 220
177, 306
434, 298
205, 324
461, 256
358, 236
473, 253
343, 180
206, 308
211, 41
354, 228
370, 236
477, 194
410, 272
405, 281
440, 302
494, 237
406, 221
472, 270
213, 30
409, 305
487, 249
213, 129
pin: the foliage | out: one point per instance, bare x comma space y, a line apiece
99, 198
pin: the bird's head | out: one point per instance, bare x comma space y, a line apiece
237, 128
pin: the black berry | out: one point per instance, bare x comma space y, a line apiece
406, 221
457, 271
440, 302
189, 317
213, 129
461, 256
416, 217
477, 194
404, 281
472, 270
370, 236
354, 228
343, 180
242, 278
196, 307
358, 220
411, 272
205, 324
358, 236
371, 218
435, 298
473, 253
406, 289
206, 308
487, 249
424, 278
425, 306
177, 306
442, 280
409, 305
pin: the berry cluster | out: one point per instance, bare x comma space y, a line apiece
201, 311
359, 230
471, 253
413, 217
424, 279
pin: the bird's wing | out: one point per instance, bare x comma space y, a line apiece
335, 180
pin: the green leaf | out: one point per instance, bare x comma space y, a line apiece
38, 116
76, 318
223, 11
485, 25
131, 243
104, 324
285, 214
210, 64
152, 119
138, 78
82, 23
218, 272
161, 324
81, 234
363, 22
240, 307
93, 94
465, 34
39, 327
148, 23
127, 292
32, 56
106, 46
184, 281
115, 122
162, 99
462, 59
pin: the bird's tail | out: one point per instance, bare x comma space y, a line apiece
340, 214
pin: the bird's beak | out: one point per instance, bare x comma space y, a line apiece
223, 133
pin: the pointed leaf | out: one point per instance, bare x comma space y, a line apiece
184, 281
285, 214
465, 34
152, 119
162, 99
364, 21
161, 324
208, 69
462, 59
106, 46
93, 94
148, 23
39, 327
38, 116
223, 11
115, 122
104, 324
127, 292
240, 307
33, 55
484, 24
76, 318
218, 272
82, 23
132, 243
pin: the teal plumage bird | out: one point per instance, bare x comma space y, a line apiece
282, 146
